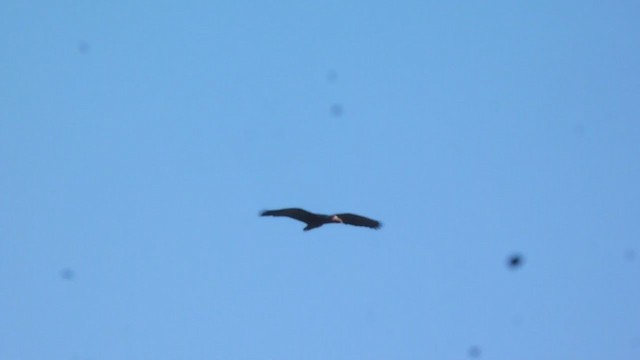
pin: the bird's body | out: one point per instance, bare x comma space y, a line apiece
316, 220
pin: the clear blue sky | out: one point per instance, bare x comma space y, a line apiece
140, 139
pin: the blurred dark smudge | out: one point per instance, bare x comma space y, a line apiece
475, 352
67, 274
84, 47
332, 76
515, 261
630, 255
337, 110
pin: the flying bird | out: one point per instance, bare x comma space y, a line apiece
316, 220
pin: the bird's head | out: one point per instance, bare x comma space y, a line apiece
336, 219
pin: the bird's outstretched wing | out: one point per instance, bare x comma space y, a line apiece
294, 213
357, 220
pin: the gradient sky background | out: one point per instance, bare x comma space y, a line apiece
139, 140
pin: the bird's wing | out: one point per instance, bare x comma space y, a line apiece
353, 219
294, 213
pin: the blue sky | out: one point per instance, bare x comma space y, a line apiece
139, 141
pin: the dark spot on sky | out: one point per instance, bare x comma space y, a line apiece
578, 129
630, 255
517, 320
337, 110
84, 47
332, 76
67, 274
515, 261
475, 352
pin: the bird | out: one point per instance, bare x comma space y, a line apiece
316, 220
